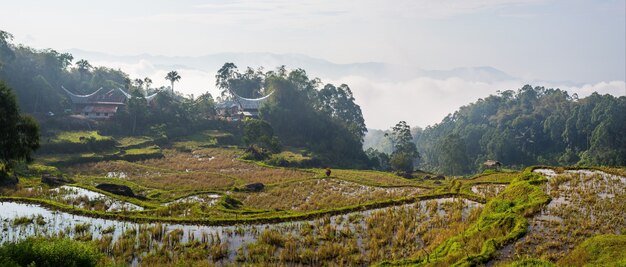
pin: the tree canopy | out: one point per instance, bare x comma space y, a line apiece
19, 135
404, 150
304, 116
527, 127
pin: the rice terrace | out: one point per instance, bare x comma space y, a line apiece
313, 133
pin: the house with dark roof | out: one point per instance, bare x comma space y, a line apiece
100, 104
240, 107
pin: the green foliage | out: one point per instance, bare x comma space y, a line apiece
338, 103
172, 76
532, 263
404, 150
19, 135
501, 222
75, 137
529, 127
601, 250
292, 159
48, 252
378, 160
229, 202
260, 133
77, 142
299, 117
248, 84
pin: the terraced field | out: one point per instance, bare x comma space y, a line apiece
204, 206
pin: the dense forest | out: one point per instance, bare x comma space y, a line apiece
528, 127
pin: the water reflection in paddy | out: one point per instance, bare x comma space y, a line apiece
235, 237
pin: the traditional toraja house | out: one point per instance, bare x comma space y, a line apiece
241, 107
148, 98
99, 104
492, 164
226, 109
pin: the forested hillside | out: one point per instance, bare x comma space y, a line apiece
37, 76
304, 112
322, 119
527, 127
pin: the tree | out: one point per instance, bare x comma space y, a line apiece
404, 149
19, 135
378, 160
260, 133
338, 103
148, 82
172, 76
248, 84
5, 48
83, 67
204, 106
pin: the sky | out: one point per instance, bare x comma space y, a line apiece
575, 45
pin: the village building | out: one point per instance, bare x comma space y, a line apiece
100, 104
240, 107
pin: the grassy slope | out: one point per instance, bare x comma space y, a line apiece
601, 250
501, 222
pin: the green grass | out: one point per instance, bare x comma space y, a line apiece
74, 137
143, 151
204, 139
133, 141
531, 263
502, 221
600, 250
48, 252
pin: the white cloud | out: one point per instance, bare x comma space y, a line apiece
192, 81
420, 101
616, 88
425, 101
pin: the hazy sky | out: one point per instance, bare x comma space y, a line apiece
574, 41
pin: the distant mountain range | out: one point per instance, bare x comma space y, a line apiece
314, 66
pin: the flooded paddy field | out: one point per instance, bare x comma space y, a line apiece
354, 238
585, 203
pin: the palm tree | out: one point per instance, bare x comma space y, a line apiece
83, 67
172, 76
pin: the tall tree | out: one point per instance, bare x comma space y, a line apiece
83, 67
404, 149
248, 84
19, 135
147, 81
172, 76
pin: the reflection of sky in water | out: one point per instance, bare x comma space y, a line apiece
60, 221
73, 192
208, 199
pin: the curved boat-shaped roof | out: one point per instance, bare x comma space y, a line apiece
148, 98
250, 103
80, 98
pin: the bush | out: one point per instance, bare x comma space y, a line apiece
230, 202
254, 152
48, 252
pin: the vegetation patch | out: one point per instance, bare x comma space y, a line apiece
600, 250
49, 252
501, 222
